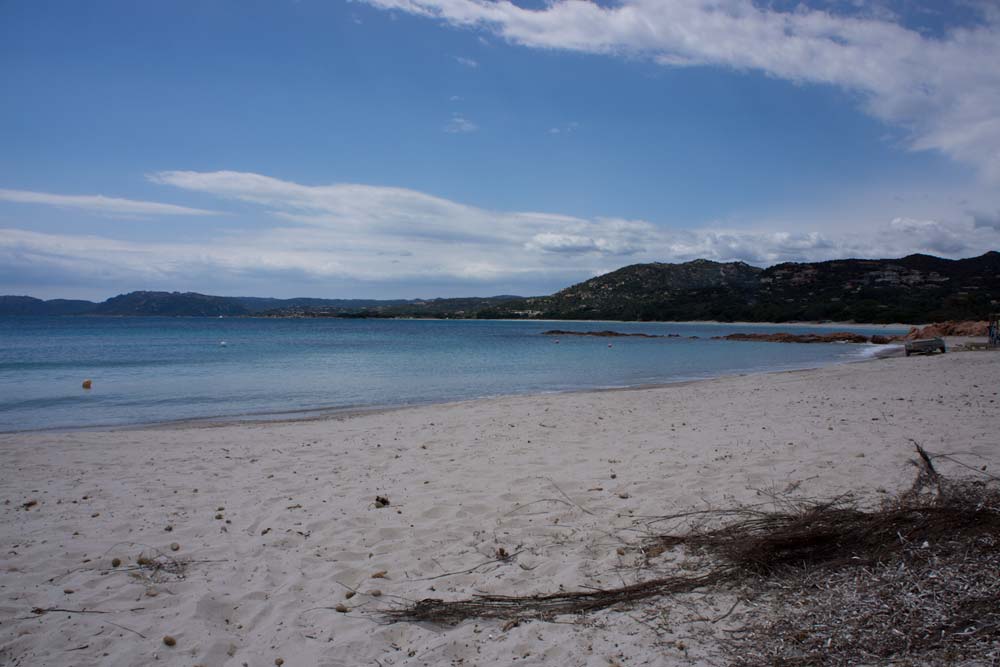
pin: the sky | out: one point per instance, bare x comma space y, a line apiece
436, 148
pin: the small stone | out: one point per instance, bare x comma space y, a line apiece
169, 641
168, 528
174, 546
341, 608
279, 662
218, 516
115, 562
381, 574
349, 594
623, 495
375, 593
68, 591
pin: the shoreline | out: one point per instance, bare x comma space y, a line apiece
335, 412
275, 523
803, 323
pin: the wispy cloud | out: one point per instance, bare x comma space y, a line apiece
386, 216
981, 219
565, 129
403, 240
944, 91
459, 124
468, 62
99, 204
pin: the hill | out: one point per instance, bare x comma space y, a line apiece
912, 289
698, 290
171, 304
453, 308
916, 288
192, 304
27, 305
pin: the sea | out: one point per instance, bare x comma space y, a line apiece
147, 370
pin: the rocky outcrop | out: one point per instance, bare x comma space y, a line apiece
838, 337
948, 329
605, 334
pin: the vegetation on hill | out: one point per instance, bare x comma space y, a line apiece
27, 305
172, 304
455, 308
917, 288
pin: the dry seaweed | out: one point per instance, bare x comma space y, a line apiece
913, 581
837, 533
931, 596
545, 606
929, 605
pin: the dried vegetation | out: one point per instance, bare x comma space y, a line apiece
913, 581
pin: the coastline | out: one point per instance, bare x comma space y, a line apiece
312, 380
563, 481
338, 412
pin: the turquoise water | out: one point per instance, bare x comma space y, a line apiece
150, 369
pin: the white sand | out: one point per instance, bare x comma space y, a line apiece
560, 480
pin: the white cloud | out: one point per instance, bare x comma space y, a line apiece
395, 214
405, 240
568, 128
404, 219
459, 124
981, 219
99, 204
945, 91
933, 236
467, 62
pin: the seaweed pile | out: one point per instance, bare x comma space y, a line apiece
913, 581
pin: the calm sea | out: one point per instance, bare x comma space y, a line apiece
151, 369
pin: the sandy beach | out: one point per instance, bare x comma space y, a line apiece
266, 528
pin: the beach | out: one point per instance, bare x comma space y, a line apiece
275, 524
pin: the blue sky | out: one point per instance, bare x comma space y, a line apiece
417, 148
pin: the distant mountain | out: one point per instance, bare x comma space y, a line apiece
171, 304
256, 304
917, 288
26, 305
454, 308
192, 304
